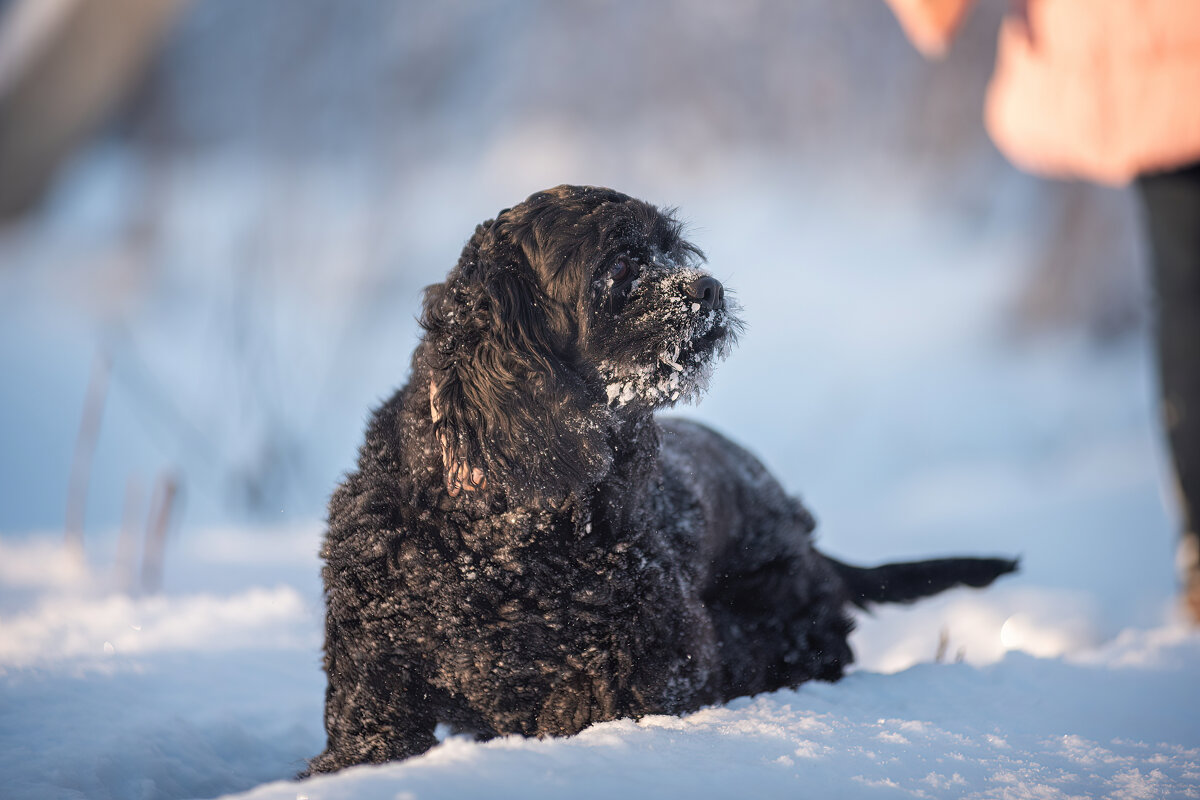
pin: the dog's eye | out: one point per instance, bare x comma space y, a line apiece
620, 271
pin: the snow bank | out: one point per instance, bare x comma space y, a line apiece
1024, 728
205, 693
63, 628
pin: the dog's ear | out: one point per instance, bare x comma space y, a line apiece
508, 412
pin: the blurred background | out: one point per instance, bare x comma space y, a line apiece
217, 217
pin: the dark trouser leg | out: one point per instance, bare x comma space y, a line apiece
1171, 201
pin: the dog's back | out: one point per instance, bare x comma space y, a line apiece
776, 604
753, 521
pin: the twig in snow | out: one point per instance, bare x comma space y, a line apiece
165, 493
85, 445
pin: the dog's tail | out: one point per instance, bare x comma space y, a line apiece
912, 580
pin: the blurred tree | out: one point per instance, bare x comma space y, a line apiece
63, 65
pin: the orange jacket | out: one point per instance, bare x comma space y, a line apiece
1098, 89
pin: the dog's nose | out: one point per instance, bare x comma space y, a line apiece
707, 291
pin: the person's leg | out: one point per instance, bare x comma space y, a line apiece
1171, 202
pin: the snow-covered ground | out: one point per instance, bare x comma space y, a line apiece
214, 688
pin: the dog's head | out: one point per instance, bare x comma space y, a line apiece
565, 316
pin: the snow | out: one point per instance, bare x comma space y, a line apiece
200, 693
859, 738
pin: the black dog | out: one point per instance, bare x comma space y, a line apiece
526, 549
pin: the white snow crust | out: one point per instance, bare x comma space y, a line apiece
200, 694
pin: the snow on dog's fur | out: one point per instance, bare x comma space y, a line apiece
525, 548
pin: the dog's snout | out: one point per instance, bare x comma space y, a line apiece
707, 291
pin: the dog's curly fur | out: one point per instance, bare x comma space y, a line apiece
525, 548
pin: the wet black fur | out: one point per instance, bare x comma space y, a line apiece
613, 564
